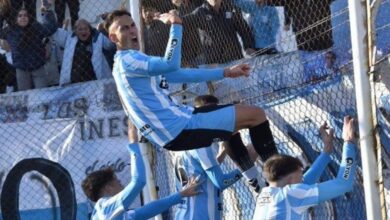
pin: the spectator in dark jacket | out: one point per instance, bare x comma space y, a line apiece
156, 33
311, 22
192, 52
25, 38
219, 22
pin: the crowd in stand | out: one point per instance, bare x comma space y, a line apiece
49, 52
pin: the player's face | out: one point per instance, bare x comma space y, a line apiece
124, 33
296, 177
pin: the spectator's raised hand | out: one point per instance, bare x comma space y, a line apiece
327, 136
170, 18
349, 129
237, 71
191, 188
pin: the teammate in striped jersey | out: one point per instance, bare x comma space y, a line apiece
203, 164
290, 193
112, 200
142, 81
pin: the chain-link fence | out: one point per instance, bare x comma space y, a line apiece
60, 103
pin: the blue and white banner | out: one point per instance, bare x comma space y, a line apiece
82, 127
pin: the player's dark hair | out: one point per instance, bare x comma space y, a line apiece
95, 181
203, 100
110, 18
279, 166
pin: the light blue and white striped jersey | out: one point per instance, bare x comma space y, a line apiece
290, 202
116, 207
206, 205
141, 81
107, 208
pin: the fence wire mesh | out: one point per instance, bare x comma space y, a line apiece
59, 103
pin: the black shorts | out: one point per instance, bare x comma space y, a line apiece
221, 119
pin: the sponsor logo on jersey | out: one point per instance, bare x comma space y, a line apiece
174, 43
348, 168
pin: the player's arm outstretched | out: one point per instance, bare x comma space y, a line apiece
344, 181
188, 75
137, 172
156, 207
312, 175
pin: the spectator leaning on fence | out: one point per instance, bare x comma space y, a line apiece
83, 58
291, 193
192, 50
156, 33
112, 200
219, 23
25, 37
264, 21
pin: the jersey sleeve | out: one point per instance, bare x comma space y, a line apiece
109, 208
188, 75
138, 177
136, 63
317, 168
302, 196
209, 163
221, 180
344, 181
156, 207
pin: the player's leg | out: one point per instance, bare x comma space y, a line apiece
208, 124
217, 123
238, 152
255, 119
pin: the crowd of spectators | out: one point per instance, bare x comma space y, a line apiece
48, 53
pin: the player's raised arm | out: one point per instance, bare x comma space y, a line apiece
137, 170
344, 181
204, 74
156, 207
172, 59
